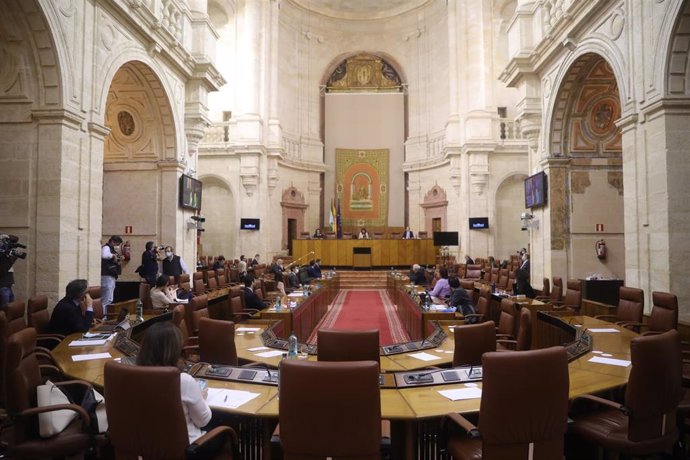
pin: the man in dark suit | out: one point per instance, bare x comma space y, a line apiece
407, 234
74, 312
251, 300
525, 263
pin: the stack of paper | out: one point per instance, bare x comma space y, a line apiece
230, 399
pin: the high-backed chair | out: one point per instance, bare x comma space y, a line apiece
630, 306
145, 295
573, 297
507, 321
212, 283
221, 278
127, 421
304, 235
198, 286
217, 342
546, 287
472, 341
523, 339
37, 316
556, 292
378, 235
664, 316
335, 345
523, 413
331, 236
23, 376
337, 414
15, 316
183, 282
395, 235
195, 310
473, 271
423, 235
646, 422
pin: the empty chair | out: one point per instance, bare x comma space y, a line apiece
212, 283
555, 293
395, 235
304, 235
15, 316
573, 298
378, 235
23, 376
338, 414
221, 278
38, 317
127, 421
195, 310
334, 345
183, 282
472, 341
217, 342
523, 340
546, 287
473, 271
646, 421
507, 321
630, 306
664, 315
523, 413
331, 236
145, 295
423, 235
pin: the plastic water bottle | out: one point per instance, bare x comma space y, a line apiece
292, 346
279, 306
140, 311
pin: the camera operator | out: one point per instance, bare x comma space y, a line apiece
149, 264
10, 251
110, 270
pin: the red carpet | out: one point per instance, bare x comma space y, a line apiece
358, 310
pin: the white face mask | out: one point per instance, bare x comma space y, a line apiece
169, 255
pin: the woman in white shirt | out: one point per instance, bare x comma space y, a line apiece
162, 295
162, 346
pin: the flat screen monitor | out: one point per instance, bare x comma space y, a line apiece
250, 224
446, 238
479, 223
536, 191
190, 193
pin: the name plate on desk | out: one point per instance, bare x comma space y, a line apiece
439, 377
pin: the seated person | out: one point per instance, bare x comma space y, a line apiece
441, 288
468, 260
251, 300
317, 267
522, 284
417, 276
74, 312
162, 295
162, 346
363, 234
407, 234
242, 267
317, 233
293, 279
313, 271
303, 275
219, 263
460, 299
277, 270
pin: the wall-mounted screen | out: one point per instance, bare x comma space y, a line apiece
190, 192
479, 223
536, 191
250, 224
446, 238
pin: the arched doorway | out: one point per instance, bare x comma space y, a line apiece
140, 167
585, 172
509, 234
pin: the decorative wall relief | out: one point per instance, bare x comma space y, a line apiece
435, 206
362, 186
364, 72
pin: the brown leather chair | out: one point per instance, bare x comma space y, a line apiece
523, 339
149, 406
331, 236
145, 295
221, 278
507, 321
212, 282
23, 376
378, 236
646, 422
523, 413
335, 345
183, 282
546, 287
556, 292
472, 341
15, 316
329, 409
630, 306
573, 298
198, 286
37, 316
473, 271
195, 310
423, 235
664, 316
217, 342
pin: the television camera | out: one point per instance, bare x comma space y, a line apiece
10, 250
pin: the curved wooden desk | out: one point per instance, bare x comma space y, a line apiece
409, 405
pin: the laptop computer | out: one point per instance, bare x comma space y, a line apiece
121, 323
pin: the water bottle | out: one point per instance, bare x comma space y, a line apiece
306, 290
140, 311
279, 306
292, 346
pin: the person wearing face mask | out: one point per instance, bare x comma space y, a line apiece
172, 264
293, 279
149, 264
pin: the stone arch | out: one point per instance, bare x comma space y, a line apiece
139, 116
293, 206
335, 62
677, 55
219, 208
435, 206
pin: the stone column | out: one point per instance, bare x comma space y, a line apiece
250, 125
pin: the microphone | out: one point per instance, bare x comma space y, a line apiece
269, 378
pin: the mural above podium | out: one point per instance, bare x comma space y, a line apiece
362, 186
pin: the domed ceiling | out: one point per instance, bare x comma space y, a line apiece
359, 9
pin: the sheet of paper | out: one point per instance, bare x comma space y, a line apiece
270, 354
424, 356
602, 329
296, 294
230, 399
258, 348
87, 343
91, 356
248, 329
611, 361
462, 393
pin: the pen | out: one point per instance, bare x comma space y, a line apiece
226, 398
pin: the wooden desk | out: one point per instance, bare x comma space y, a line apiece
384, 253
